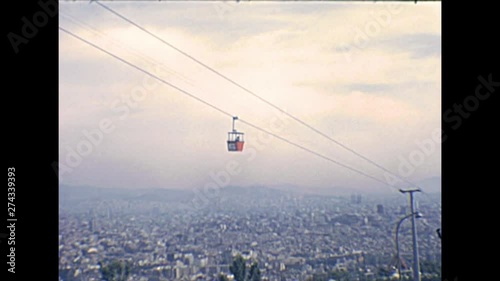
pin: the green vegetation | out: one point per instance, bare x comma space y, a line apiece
254, 273
239, 269
116, 270
431, 271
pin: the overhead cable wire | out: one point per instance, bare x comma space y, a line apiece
254, 94
219, 109
314, 152
121, 45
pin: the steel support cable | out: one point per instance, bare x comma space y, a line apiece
253, 94
219, 109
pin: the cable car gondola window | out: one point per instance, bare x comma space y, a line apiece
235, 139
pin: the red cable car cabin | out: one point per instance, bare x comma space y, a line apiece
235, 139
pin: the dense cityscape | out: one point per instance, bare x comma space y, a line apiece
290, 236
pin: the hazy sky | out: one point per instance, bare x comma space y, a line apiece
368, 75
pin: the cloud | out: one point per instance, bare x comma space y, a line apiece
386, 96
420, 45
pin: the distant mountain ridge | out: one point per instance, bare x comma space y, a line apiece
69, 194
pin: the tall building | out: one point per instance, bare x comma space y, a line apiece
356, 198
92, 225
380, 209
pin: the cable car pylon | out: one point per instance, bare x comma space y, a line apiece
235, 139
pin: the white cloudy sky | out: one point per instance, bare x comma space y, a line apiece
374, 85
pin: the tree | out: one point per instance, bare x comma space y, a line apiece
254, 273
115, 271
238, 268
